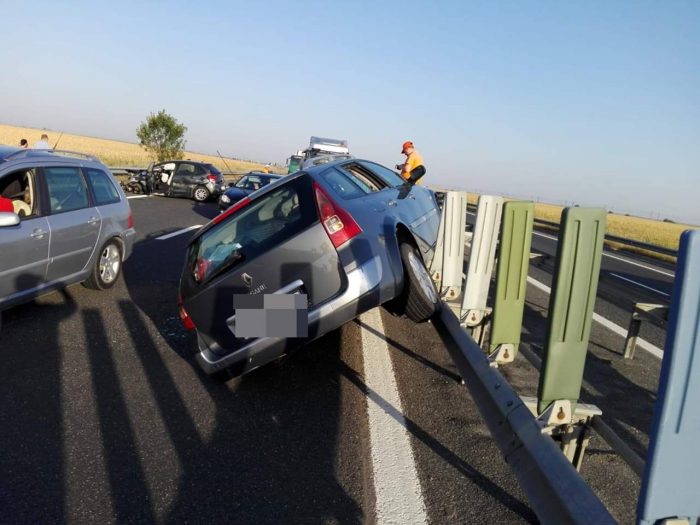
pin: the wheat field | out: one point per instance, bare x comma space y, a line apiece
114, 152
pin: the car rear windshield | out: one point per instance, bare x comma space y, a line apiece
256, 228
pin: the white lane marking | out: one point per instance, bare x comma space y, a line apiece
645, 345
137, 196
639, 284
398, 495
178, 232
662, 272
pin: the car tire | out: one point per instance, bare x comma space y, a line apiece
200, 194
420, 299
107, 267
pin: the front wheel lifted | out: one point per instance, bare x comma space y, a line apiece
107, 267
419, 299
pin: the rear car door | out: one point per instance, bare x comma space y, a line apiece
73, 219
182, 179
24, 247
274, 242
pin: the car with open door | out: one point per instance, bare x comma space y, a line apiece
188, 179
347, 236
63, 220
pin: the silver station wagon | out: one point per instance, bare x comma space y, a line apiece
63, 220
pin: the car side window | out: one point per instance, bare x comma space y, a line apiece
103, 189
185, 169
67, 189
391, 178
344, 185
18, 191
199, 169
364, 178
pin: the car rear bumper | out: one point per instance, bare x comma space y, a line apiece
360, 295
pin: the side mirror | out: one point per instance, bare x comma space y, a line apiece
231, 184
8, 218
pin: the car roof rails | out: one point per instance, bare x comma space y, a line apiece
43, 152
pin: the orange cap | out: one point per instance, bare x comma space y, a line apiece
407, 144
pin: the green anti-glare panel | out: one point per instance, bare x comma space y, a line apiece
571, 304
511, 274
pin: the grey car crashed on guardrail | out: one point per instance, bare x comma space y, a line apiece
349, 235
70, 223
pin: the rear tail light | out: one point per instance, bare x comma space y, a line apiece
339, 224
233, 209
187, 321
212, 177
130, 222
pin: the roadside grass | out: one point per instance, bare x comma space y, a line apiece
115, 152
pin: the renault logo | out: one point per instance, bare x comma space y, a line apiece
247, 279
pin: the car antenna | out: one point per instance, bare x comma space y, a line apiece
59, 140
222, 160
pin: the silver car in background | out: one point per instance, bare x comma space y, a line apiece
70, 222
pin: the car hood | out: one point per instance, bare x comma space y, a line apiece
236, 193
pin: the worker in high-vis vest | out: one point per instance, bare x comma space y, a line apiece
413, 169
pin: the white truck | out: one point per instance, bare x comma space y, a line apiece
320, 151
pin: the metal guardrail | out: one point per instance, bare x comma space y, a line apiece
556, 491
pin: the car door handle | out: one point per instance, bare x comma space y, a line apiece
38, 233
93, 220
411, 196
392, 203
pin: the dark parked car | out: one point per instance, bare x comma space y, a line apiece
63, 220
249, 183
185, 178
349, 235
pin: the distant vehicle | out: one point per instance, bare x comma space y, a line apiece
349, 234
318, 148
70, 223
185, 178
249, 183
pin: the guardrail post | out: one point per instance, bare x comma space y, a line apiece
446, 267
668, 490
481, 258
576, 273
511, 280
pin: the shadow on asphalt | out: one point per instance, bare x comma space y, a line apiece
31, 415
625, 404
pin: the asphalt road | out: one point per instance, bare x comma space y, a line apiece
106, 417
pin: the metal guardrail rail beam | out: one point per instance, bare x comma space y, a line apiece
556, 491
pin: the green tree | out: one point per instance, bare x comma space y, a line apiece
162, 136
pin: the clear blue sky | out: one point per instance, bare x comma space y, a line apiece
592, 102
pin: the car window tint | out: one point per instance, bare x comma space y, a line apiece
391, 178
256, 228
363, 178
67, 191
102, 187
344, 184
200, 170
185, 169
